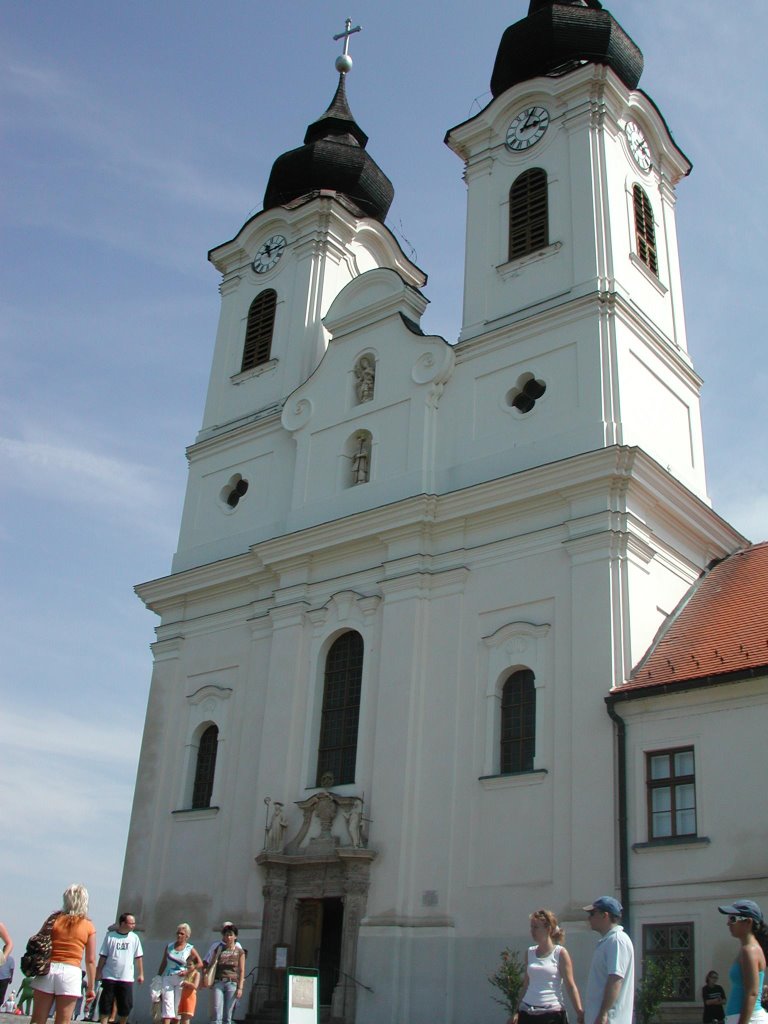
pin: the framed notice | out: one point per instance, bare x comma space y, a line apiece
302, 996
281, 958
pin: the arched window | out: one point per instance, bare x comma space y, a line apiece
645, 232
518, 723
528, 213
337, 749
258, 332
205, 768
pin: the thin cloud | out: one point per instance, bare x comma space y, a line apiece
77, 474
125, 153
748, 513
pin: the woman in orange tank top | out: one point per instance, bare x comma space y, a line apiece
72, 934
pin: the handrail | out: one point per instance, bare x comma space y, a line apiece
360, 983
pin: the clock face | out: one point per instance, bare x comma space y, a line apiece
527, 128
638, 147
269, 253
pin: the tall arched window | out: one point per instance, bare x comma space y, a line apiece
258, 331
337, 749
518, 723
645, 231
528, 213
205, 768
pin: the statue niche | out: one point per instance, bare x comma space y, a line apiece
365, 378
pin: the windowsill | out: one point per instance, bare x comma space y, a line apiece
196, 813
686, 842
649, 274
255, 371
513, 267
528, 778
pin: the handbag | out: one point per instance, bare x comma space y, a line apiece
36, 961
209, 974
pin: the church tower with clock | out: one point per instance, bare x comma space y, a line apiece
409, 571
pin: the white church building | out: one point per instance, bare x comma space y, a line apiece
410, 680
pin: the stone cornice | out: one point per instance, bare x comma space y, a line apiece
593, 89
630, 479
224, 435
561, 312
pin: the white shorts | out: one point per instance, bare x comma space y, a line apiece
759, 1016
169, 996
61, 980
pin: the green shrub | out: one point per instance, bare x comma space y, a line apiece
659, 983
508, 979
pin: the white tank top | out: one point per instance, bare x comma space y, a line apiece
545, 983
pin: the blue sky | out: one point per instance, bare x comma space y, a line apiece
136, 137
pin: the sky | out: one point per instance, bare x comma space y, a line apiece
137, 136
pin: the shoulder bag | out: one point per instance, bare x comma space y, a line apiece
36, 961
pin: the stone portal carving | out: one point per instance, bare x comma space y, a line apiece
338, 872
329, 821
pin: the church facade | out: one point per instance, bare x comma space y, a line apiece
410, 572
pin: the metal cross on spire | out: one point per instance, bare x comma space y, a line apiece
344, 61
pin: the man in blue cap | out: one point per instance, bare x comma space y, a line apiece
611, 983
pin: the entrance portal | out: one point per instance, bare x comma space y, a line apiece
313, 904
318, 941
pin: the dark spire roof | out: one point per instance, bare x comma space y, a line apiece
559, 35
333, 158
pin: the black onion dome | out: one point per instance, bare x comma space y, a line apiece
332, 158
557, 36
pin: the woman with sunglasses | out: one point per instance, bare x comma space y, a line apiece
549, 970
745, 923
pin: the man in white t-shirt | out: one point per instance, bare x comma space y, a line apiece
611, 983
121, 959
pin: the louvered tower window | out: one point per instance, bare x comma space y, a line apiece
528, 213
337, 750
518, 723
258, 332
205, 768
644, 230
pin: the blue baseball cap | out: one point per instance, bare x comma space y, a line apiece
744, 908
608, 904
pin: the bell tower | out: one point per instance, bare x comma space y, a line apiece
322, 226
571, 243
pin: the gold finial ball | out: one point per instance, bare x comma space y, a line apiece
343, 63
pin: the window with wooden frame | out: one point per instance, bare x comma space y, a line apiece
672, 945
528, 213
205, 768
337, 749
645, 232
671, 785
259, 330
518, 723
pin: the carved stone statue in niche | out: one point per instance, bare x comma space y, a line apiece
361, 460
276, 829
365, 378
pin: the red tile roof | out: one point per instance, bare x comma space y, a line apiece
720, 628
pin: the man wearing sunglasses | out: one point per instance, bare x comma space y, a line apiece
611, 983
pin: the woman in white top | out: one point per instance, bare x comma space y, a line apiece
549, 969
